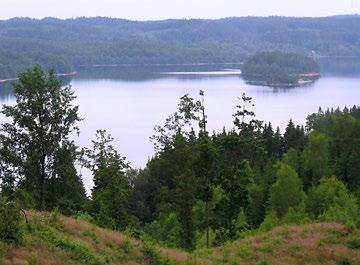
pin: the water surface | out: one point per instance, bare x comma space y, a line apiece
128, 103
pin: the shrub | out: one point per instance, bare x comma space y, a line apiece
296, 217
10, 222
90, 234
354, 243
55, 219
32, 261
127, 246
84, 216
331, 201
245, 252
269, 222
152, 254
166, 230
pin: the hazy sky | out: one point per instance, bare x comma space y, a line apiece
161, 9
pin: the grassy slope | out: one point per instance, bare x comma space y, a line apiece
71, 241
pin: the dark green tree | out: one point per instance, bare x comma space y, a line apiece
294, 136
111, 191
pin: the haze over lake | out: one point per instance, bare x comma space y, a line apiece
129, 101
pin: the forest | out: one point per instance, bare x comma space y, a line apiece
280, 69
201, 189
66, 45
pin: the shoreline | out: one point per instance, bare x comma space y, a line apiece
156, 64
303, 80
15, 79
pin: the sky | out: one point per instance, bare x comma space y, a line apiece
163, 9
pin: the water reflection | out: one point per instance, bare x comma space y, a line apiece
134, 73
130, 101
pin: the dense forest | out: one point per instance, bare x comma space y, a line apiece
280, 69
200, 189
67, 44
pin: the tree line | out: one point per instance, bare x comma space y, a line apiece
200, 189
66, 44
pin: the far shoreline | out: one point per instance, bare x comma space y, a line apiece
310, 78
2, 81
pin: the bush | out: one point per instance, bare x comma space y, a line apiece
166, 230
55, 219
354, 243
269, 222
152, 254
10, 222
295, 217
332, 201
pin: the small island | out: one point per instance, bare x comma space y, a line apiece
277, 69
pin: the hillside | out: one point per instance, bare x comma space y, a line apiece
53, 239
67, 44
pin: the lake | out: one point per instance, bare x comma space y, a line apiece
129, 101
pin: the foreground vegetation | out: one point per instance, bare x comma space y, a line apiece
198, 191
66, 44
50, 238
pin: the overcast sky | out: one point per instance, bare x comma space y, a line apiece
161, 9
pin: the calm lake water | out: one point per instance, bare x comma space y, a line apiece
128, 102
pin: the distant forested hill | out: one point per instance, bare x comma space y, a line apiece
66, 44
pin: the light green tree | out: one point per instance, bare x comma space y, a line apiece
287, 192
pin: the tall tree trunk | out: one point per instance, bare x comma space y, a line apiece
42, 183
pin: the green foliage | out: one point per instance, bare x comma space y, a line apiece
240, 223
90, 234
354, 243
36, 145
344, 144
127, 246
287, 192
110, 194
296, 217
271, 220
293, 158
77, 249
32, 261
316, 158
197, 191
245, 252
152, 254
294, 137
256, 206
55, 219
331, 201
167, 230
84, 216
11, 230
202, 239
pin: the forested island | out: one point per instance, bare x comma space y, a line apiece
258, 195
277, 69
65, 45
